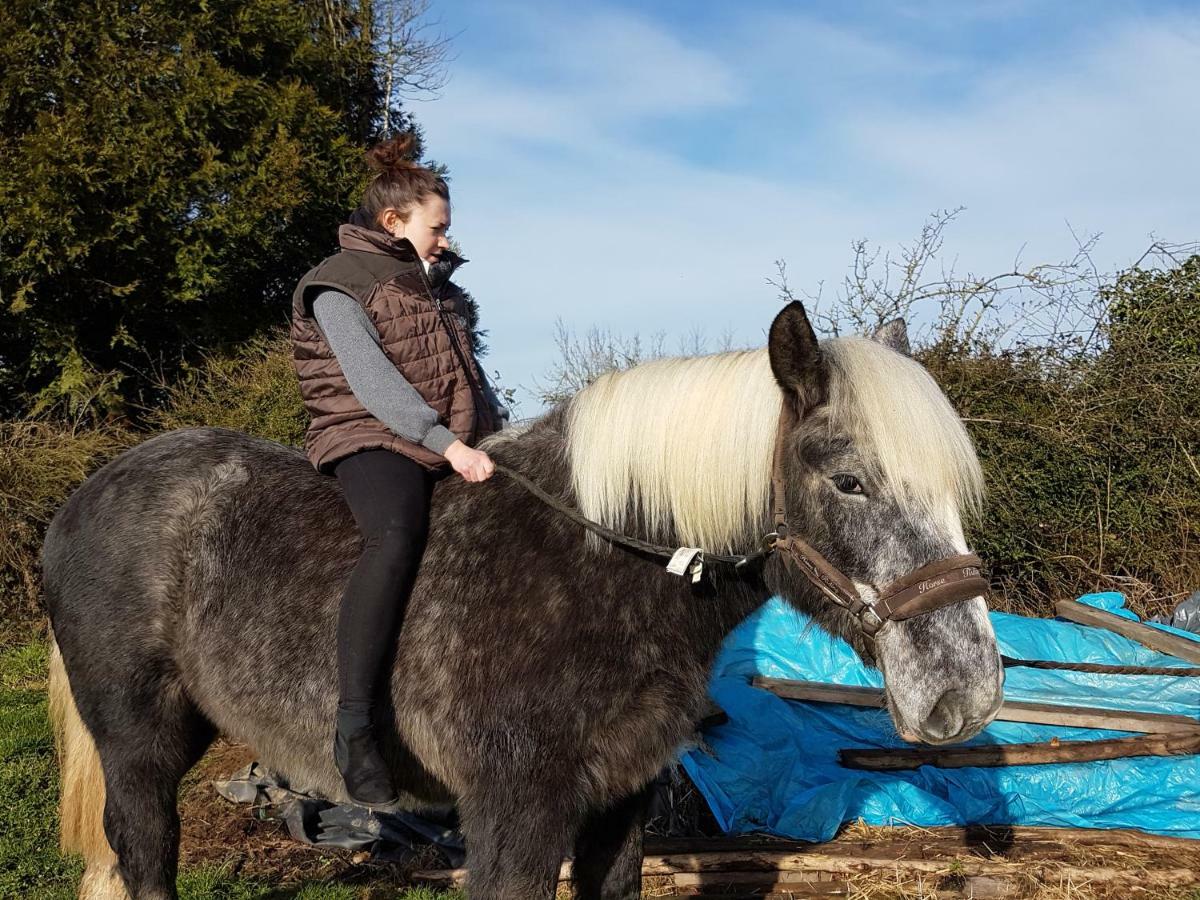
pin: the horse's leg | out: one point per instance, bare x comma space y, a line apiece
608, 850
142, 771
516, 841
147, 735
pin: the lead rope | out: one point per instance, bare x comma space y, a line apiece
624, 540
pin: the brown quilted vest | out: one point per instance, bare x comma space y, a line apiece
423, 332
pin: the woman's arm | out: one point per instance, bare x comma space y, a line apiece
375, 381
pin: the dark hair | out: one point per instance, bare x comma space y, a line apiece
398, 182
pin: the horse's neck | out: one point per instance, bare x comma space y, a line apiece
708, 614
735, 601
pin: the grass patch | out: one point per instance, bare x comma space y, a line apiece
30, 865
208, 883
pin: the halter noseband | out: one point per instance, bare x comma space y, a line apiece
940, 583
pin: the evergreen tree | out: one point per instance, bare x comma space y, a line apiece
167, 170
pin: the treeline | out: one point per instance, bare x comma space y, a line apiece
167, 171
1092, 456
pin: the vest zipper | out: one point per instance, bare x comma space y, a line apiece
476, 390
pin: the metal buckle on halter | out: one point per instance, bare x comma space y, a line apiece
766, 547
870, 620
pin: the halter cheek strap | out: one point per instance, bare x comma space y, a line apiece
940, 583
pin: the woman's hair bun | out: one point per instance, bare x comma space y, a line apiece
398, 182
393, 154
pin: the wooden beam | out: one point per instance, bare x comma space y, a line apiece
797, 882
839, 865
972, 836
1022, 754
797, 886
1154, 638
1011, 711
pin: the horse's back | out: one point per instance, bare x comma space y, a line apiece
220, 559
161, 559
107, 544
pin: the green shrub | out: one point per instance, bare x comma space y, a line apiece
169, 171
1092, 459
41, 462
253, 389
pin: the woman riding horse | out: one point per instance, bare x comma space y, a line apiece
383, 353
542, 677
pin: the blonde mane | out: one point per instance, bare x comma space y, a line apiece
892, 406
683, 446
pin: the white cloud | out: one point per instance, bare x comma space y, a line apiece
569, 211
1122, 108
623, 65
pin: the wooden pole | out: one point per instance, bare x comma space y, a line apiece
953, 836
776, 881
1011, 711
1048, 871
1022, 754
1154, 638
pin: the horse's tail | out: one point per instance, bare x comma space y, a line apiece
81, 789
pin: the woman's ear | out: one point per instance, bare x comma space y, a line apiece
391, 222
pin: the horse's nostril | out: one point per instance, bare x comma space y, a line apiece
945, 720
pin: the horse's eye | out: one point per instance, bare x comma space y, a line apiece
847, 484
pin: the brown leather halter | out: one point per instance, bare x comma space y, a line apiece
940, 583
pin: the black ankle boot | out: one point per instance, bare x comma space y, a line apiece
357, 755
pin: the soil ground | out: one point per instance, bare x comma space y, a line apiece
1042, 864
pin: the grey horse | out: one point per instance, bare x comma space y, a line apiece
542, 677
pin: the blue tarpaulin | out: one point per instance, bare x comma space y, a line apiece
773, 766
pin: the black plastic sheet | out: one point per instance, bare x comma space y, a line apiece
394, 836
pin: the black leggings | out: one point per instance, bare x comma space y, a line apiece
389, 497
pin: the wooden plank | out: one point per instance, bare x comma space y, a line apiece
782, 891
1154, 638
801, 879
821, 692
777, 881
1011, 711
1022, 754
972, 836
1048, 871
765, 892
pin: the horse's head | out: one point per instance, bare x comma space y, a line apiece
878, 472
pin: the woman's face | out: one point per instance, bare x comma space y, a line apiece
426, 227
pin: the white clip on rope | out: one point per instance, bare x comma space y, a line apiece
687, 560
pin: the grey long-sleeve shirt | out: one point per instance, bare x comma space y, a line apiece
375, 381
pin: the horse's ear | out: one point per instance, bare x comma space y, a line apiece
894, 334
796, 357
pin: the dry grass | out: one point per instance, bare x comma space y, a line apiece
245, 844
1025, 867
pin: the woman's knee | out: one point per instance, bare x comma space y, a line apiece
396, 538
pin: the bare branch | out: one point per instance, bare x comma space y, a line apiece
414, 59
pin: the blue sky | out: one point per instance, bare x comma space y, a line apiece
640, 167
